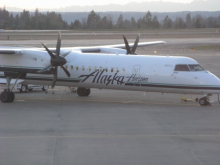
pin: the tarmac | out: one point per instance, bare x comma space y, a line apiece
113, 127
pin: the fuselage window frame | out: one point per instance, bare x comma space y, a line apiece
77, 68
83, 68
181, 68
192, 67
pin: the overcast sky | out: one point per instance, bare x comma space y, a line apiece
30, 4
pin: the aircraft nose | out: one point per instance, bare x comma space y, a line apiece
213, 80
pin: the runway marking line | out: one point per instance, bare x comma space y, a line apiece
103, 101
113, 136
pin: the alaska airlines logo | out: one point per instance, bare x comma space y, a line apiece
99, 77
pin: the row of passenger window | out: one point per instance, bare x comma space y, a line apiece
77, 68
188, 68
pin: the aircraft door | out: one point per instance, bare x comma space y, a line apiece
136, 75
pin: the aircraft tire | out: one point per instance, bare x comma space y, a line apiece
11, 97
4, 97
83, 91
88, 91
203, 101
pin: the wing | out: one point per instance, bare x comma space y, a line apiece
141, 44
113, 48
92, 49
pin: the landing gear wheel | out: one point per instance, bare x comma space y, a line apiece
7, 97
83, 91
88, 91
23, 88
204, 101
4, 97
12, 97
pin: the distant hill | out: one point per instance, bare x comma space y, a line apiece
157, 6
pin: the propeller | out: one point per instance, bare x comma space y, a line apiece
56, 60
131, 51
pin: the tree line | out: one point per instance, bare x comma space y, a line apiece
51, 21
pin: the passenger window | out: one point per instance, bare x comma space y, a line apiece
89, 68
83, 68
123, 70
106, 69
66, 66
71, 67
112, 69
117, 70
181, 68
195, 67
77, 68
100, 69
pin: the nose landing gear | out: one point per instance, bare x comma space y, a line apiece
204, 101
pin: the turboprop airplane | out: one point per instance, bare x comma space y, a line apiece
106, 67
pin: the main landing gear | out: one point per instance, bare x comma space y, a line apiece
7, 96
83, 91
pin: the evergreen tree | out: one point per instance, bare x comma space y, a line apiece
104, 23
24, 21
179, 23
188, 21
4, 18
120, 22
93, 20
155, 23
167, 23
110, 23
76, 25
148, 20
133, 23
198, 21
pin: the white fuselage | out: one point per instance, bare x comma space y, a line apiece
123, 72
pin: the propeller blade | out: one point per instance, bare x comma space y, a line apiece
65, 54
135, 44
49, 52
58, 44
66, 71
54, 77
55, 61
126, 45
44, 69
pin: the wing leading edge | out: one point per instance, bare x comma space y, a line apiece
97, 49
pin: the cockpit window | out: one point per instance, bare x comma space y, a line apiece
182, 68
195, 67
